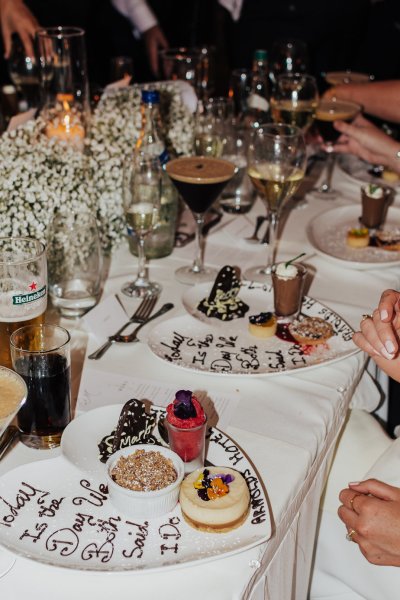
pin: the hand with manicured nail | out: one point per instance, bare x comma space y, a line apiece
379, 334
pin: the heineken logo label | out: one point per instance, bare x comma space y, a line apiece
31, 296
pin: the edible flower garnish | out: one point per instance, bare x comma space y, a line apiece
359, 231
183, 405
211, 487
372, 187
289, 262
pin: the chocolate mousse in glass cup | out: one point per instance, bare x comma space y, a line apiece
288, 283
374, 203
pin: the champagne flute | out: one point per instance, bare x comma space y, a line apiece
199, 180
141, 198
294, 100
211, 122
276, 166
327, 112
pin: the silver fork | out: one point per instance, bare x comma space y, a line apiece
141, 314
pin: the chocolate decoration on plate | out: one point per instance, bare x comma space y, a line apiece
223, 303
134, 427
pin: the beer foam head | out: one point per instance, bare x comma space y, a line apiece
12, 394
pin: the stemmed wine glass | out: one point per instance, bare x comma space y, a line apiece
24, 73
141, 198
212, 121
294, 100
288, 56
199, 180
327, 112
276, 166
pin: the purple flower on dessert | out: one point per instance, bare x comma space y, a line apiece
228, 478
183, 405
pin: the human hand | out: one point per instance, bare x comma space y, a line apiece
368, 142
154, 40
372, 510
379, 335
17, 18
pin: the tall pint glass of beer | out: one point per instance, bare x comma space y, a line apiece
23, 288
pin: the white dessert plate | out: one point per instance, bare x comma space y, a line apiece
199, 343
58, 513
361, 171
327, 234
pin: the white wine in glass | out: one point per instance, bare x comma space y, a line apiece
275, 183
142, 196
294, 100
276, 166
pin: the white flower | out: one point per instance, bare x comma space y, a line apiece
39, 175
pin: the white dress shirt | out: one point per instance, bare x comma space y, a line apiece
233, 6
142, 17
138, 12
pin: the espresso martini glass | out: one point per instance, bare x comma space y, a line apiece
199, 180
13, 394
329, 111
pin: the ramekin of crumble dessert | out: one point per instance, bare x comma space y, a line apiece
144, 480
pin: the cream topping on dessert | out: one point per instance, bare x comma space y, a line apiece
374, 191
286, 271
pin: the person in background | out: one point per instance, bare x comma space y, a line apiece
24, 17
362, 137
333, 31
367, 567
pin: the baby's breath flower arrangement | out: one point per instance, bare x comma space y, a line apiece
38, 175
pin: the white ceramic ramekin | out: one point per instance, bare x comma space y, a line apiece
145, 504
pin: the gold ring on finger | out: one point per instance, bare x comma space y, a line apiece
349, 535
364, 317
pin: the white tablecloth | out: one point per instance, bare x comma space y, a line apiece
287, 425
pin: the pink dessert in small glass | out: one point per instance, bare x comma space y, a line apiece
186, 425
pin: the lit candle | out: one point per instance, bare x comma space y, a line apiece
67, 127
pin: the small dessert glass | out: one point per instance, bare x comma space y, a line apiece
374, 209
189, 444
288, 292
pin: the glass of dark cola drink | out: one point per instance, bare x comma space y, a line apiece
41, 355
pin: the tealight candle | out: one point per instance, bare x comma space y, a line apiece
66, 127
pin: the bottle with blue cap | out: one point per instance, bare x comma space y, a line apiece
150, 142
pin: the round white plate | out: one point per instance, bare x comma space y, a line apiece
56, 512
360, 171
208, 345
327, 234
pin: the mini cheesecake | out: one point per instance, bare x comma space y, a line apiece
263, 325
215, 500
358, 237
